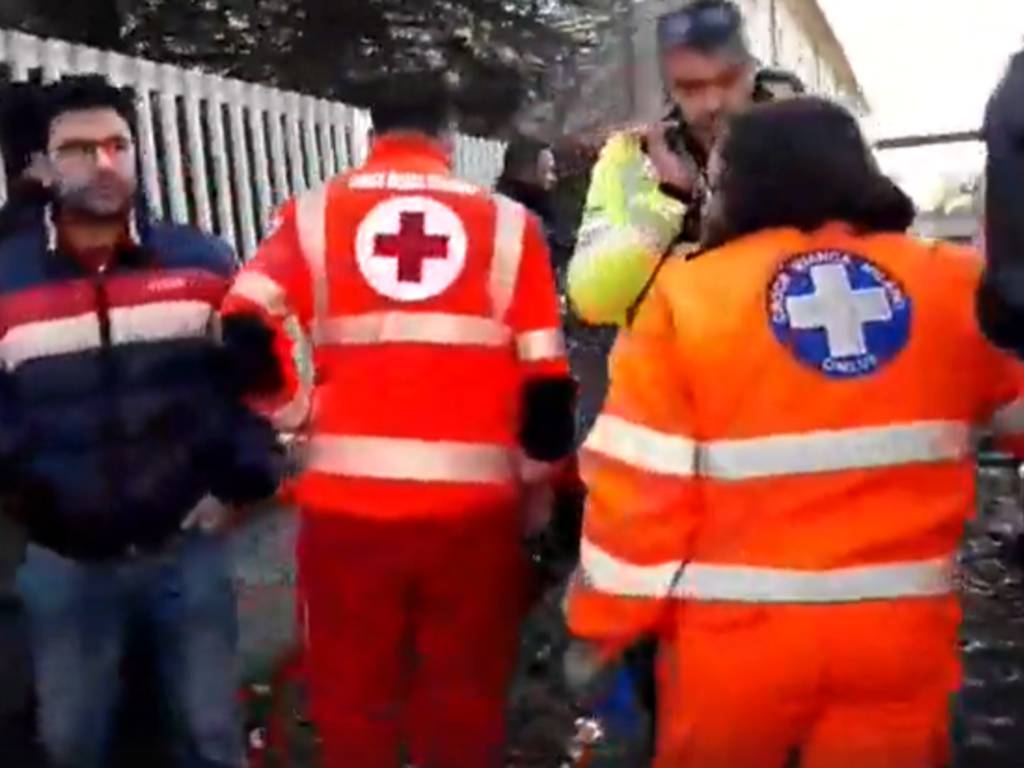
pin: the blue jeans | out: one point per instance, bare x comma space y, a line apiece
79, 616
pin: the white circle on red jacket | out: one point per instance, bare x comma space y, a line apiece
411, 248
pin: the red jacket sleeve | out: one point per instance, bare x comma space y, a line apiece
276, 286
534, 313
548, 399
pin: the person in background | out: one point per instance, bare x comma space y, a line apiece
528, 176
647, 187
22, 144
816, 365
442, 394
1001, 296
124, 439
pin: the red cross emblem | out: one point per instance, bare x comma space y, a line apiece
412, 246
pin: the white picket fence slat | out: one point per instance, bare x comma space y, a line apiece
221, 154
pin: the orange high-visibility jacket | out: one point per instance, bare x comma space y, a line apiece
790, 420
428, 303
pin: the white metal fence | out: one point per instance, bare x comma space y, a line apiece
222, 153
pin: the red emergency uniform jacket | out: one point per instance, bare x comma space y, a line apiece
432, 313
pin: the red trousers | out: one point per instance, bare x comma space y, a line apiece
412, 633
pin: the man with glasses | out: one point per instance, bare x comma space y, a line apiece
646, 189
123, 441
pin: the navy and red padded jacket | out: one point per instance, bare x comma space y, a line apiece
118, 409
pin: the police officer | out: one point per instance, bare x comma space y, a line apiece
646, 189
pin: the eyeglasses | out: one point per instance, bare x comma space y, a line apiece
85, 151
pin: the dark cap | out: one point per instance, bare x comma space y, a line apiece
710, 26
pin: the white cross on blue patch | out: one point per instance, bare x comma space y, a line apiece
839, 313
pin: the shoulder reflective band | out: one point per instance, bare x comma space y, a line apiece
727, 583
509, 226
834, 451
536, 346
642, 447
311, 220
414, 328
388, 458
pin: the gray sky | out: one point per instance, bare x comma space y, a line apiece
927, 66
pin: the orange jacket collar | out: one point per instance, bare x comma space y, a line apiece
409, 146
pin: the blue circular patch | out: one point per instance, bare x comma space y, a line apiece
839, 313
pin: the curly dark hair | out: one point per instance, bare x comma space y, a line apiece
74, 93
800, 163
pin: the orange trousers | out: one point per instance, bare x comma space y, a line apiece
412, 634
868, 685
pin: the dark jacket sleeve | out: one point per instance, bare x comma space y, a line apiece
253, 464
1001, 298
250, 463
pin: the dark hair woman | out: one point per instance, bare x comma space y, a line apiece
798, 163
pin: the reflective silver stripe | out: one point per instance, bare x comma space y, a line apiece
389, 458
535, 346
614, 576
642, 447
745, 584
1009, 420
49, 338
509, 226
414, 328
311, 220
161, 320
262, 291
156, 321
816, 452
730, 583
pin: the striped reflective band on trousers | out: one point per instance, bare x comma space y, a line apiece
390, 458
707, 582
780, 455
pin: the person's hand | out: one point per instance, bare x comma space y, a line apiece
208, 516
589, 672
673, 169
